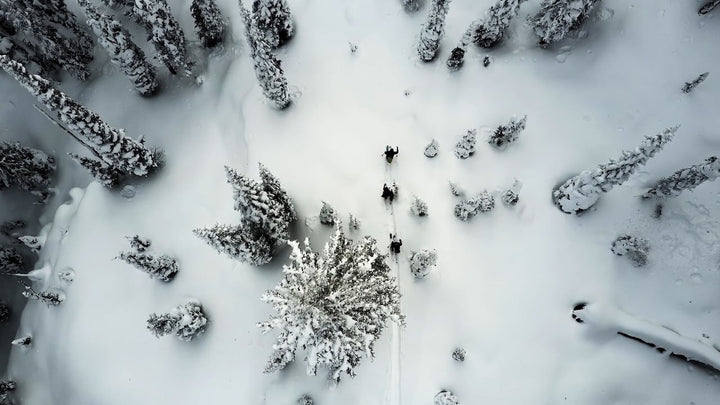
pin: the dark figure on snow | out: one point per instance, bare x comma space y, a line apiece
390, 153
395, 244
388, 193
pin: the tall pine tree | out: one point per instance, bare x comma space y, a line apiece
273, 20
685, 179
165, 34
28, 168
433, 30
557, 18
209, 23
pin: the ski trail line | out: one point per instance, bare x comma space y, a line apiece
394, 380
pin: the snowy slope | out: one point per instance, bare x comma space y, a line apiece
506, 281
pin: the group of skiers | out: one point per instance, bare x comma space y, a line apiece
388, 194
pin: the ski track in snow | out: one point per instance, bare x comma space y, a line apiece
394, 372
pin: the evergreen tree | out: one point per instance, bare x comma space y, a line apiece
209, 23
419, 207
9, 229
286, 213
446, 397
105, 174
305, 399
328, 215
165, 34
511, 196
273, 20
10, 260
459, 354
353, 223
456, 190
506, 134
239, 243
685, 179
139, 244
466, 209
557, 18
708, 7
110, 144
433, 30
466, 146
582, 191
432, 149
48, 297
411, 5
636, 249
163, 267
268, 69
333, 304
5, 312
497, 20
33, 242
186, 321
421, 262
29, 169
123, 52
689, 86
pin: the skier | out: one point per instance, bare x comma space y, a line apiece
388, 193
395, 244
390, 153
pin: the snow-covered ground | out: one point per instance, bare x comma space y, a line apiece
506, 281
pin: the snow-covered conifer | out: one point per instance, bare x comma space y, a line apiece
328, 215
163, 267
431, 150
456, 58
636, 249
466, 209
455, 189
10, 228
459, 354
10, 260
446, 397
497, 20
7, 386
4, 312
557, 18
419, 207
305, 399
708, 7
685, 179
689, 86
511, 196
105, 174
123, 51
582, 191
29, 169
333, 304
466, 146
209, 23
49, 297
287, 214
505, 134
268, 69
186, 321
422, 261
165, 34
112, 145
24, 341
433, 30
239, 243
353, 223
139, 244
411, 5
273, 20
33, 242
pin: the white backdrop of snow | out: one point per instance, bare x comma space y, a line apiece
505, 282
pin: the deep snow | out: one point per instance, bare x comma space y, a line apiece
506, 281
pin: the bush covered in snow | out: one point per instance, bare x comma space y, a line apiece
419, 207
459, 354
506, 134
511, 196
186, 321
689, 86
422, 261
466, 146
431, 150
23, 341
634, 248
49, 297
466, 209
557, 18
582, 191
446, 397
27, 168
685, 179
333, 304
328, 215
163, 267
433, 30
305, 399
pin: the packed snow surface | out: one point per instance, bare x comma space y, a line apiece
506, 280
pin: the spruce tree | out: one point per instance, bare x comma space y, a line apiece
557, 18
123, 52
328, 215
110, 144
286, 214
497, 20
689, 86
433, 30
305, 399
268, 69
10, 260
24, 341
186, 321
103, 173
6, 387
27, 168
163, 267
273, 20
466, 146
239, 243
333, 304
459, 354
511, 196
49, 297
708, 7
422, 261
165, 34
431, 150
446, 397
685, 179
636, 249
582, 191
466, 209
209, 23
411, 5
506, 134
419, 207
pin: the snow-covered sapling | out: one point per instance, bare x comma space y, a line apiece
163, 268
466, 209
24, 341
328, 215
511, 196
209, 23
422, 261
446, 397
123, 51
685, 179
411, 5
105, 174
5, 312
27, 168
32, 242
497, 20
455, 189
486, 61
273, 20
459, 354
268, 69
353, 223
433, 30
165, 34
582, 191
689, 86
10, 260
419, 207
333, 304
239, 242
186, 321
138, 243
431, 150
634, 248
48, 297
557, 18
708, 7
506, 134
466, 146
305, 399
